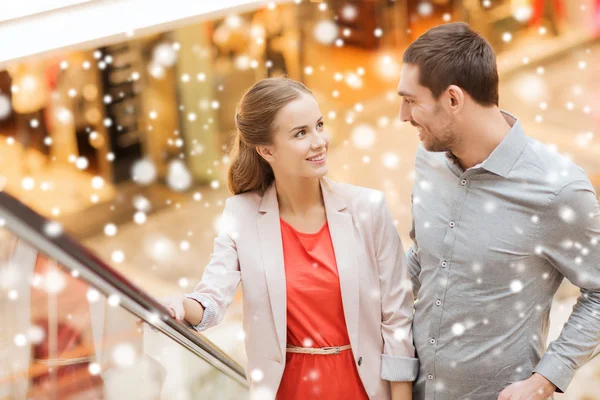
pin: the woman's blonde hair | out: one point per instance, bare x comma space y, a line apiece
255, 123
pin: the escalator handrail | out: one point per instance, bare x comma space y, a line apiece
30, 226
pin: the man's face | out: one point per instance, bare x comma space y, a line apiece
435, 126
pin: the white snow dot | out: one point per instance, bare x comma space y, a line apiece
54, 281
539, 250
97, 182
363, 136
325, 32
567, 214
94, 368
92, 295
20, 340
124, 355
118, 256
424, 9
184, 282
53, 229
401, 334
143, 172
425, 185
516, 286
36, 334
376, 197
154, 318
164, 54
139, 217
489, 207
110, 229
257, 375
458, 329
28, 183
349, 12
114, 300
390, 160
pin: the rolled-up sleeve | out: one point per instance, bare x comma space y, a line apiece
398, 362
216, 289
210, 310
569, 241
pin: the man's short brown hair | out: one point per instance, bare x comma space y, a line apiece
454, 54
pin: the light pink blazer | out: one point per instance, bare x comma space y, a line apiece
374, 279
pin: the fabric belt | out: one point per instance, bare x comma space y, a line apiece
318, 350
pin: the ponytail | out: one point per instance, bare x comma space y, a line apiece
248, 171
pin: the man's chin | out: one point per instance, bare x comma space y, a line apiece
433, 147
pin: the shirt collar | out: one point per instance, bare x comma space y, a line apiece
506, 154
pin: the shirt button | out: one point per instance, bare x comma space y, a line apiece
438, 302
463, 182
444, 264
452, 224
432, 341
429, 376
359, 361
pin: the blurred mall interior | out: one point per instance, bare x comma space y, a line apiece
114, 152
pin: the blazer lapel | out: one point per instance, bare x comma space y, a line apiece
342, 235
269, 232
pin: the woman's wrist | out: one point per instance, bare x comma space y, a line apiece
194, 311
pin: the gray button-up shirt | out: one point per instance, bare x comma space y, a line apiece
491, 247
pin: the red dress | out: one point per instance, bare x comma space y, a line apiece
315, 318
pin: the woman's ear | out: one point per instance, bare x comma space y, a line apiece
266, 152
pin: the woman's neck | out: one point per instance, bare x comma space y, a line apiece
299, 196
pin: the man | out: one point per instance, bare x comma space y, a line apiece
499, 220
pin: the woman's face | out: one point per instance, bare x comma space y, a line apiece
300, 143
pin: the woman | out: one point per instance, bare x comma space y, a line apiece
326, 292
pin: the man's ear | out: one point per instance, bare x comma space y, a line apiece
456, 98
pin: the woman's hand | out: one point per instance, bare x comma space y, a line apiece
182, 308
175, 305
